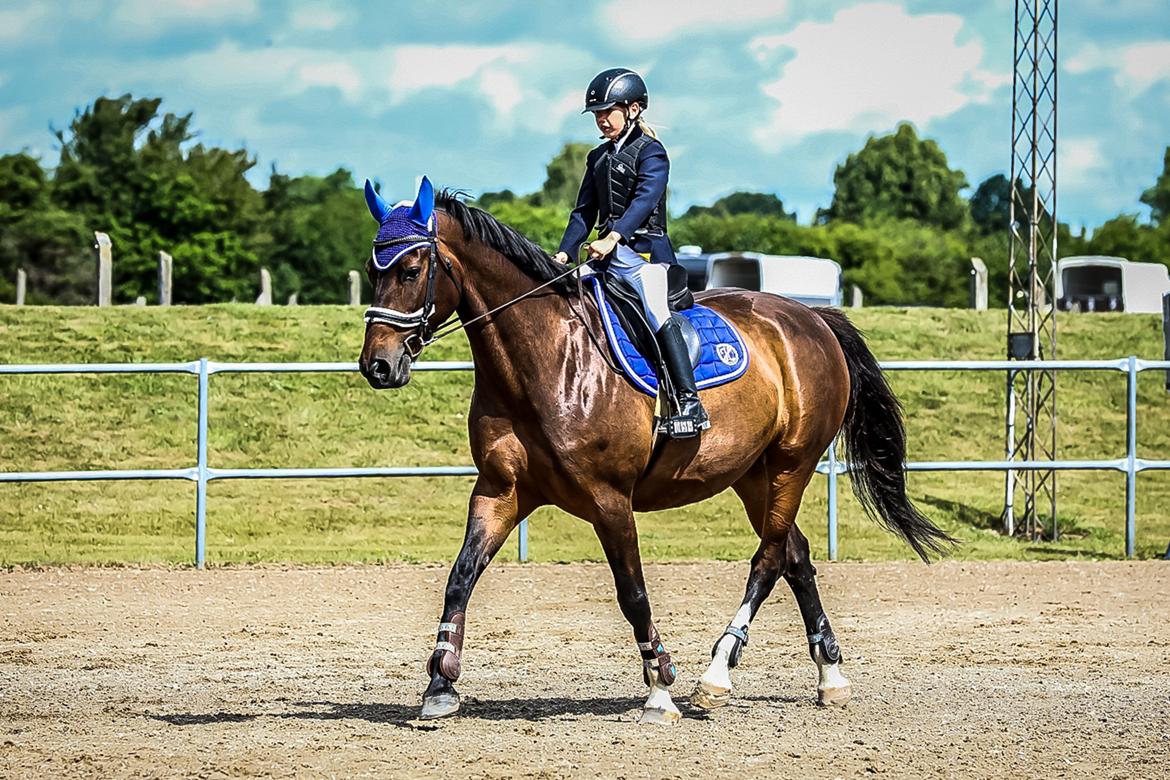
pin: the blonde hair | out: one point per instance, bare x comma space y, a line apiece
645, 126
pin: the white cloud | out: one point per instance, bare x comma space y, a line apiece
341, 75
149, 17
523, 83
653, 20
867, 68
1136, 67
316, 17
1081, 161
23, 24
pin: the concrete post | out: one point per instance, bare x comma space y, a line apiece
292, 300
140, 300
265, 297
21, 286
978, 289
857, 298
355, 288
105, 269
165, 267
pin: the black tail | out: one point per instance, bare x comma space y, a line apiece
875, 445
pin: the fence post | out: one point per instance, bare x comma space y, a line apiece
165, 267
265, 297
140, 300
1130, 454
832, 487
355, 288
1166, 345
201, 482
22, 285
978, 289
292, 299
105, 269
857, 297
523, 552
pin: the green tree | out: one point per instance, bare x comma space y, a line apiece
318, 229
49, 243
898, 176
1158, 196
991, 204
563, 177
762, 203
1124, 236
136, 175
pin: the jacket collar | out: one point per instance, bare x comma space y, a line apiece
630, 136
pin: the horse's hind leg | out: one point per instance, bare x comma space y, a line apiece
832, 687
771, 497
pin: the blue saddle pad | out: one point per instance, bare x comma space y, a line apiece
724, 356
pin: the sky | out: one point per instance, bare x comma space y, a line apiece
759, 95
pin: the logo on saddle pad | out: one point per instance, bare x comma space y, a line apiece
727, 354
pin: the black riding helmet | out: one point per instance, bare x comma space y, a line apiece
616, 86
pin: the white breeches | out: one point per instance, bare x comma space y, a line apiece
649, 279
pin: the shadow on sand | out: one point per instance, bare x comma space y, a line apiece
406, 716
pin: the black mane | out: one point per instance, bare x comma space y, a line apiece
488, 230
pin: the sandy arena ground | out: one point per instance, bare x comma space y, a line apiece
958, 669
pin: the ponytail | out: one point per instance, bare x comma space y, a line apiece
645, 127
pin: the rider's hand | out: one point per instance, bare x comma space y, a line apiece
561, 257
603, 246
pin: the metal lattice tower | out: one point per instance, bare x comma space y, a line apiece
1031, 402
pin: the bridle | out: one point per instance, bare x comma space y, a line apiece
419, 321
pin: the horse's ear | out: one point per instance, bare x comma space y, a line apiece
378, 207
424, 204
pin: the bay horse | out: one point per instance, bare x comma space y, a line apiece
552, 424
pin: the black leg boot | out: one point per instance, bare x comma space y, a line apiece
690, 417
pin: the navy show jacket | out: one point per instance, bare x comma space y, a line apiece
653, 172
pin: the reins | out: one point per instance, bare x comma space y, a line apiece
419, 320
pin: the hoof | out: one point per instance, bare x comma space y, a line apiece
710, 697
657, 716
439, 706
834, 697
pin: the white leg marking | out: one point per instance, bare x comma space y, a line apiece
659, 707
714, 687
832, 687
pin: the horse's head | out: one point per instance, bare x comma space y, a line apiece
411, 298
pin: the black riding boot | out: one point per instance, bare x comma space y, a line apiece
690, 418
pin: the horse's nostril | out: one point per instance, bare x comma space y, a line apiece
380, 368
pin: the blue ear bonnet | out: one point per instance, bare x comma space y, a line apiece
396, 226
400, 223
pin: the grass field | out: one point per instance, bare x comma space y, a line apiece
87, 422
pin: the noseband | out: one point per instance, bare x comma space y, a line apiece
418, 321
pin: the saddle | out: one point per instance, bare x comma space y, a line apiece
627, 307
716, 349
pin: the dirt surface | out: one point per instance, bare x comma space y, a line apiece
971, 670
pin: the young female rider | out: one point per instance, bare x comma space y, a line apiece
623, 193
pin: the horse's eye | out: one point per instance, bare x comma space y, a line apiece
410, 274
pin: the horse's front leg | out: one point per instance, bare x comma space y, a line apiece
490, 518
619, 539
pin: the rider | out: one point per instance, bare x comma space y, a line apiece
623, 193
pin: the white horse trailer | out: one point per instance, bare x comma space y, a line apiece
1096, 283
813, 281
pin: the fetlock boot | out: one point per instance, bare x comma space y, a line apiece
690, 417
